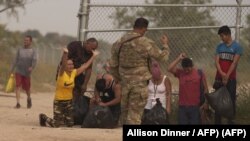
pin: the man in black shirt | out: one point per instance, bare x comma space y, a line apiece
108, 93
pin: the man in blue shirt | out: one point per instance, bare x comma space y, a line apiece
228, 54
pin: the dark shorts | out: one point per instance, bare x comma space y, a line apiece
22, 81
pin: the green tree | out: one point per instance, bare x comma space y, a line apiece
55, 38
245, 42
33, 33
195, 42
10, 6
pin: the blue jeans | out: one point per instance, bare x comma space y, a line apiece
189, 115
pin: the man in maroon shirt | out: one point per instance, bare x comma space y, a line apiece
189, 90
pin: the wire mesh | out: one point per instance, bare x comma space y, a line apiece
190, 30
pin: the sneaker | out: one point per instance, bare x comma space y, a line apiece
42, 119
29, 103
46, 120
17, 106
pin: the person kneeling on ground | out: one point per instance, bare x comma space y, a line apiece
63, 109
108, 93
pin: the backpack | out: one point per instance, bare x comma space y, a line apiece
202, 94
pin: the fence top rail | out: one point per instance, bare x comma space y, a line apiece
160, 28
168, 5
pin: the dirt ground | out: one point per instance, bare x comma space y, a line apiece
23, 124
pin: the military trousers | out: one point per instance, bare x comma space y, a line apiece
63, 114
134, 99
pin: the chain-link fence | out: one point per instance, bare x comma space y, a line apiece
190, 28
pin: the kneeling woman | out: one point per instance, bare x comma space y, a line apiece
63, 109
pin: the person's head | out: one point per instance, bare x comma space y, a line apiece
100, 85
156, 70
27, 40
141, 25
187, 64
225, 34
74, 47
69, 66
91, 44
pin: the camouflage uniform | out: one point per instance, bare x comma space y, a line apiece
131, 67
59, 117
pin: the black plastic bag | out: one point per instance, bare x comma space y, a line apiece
80, 109
221, 102
99, 117
155, 116
217, 84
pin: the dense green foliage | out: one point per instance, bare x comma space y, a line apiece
10, 6
175, 17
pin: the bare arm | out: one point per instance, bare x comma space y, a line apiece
64, 61
34, 59
204, 81
87, 64
233, 66
172, 67
217, 64
117, 99
96, 98
168, 95
86, 78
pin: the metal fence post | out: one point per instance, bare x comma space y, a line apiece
83, 16
238, 21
